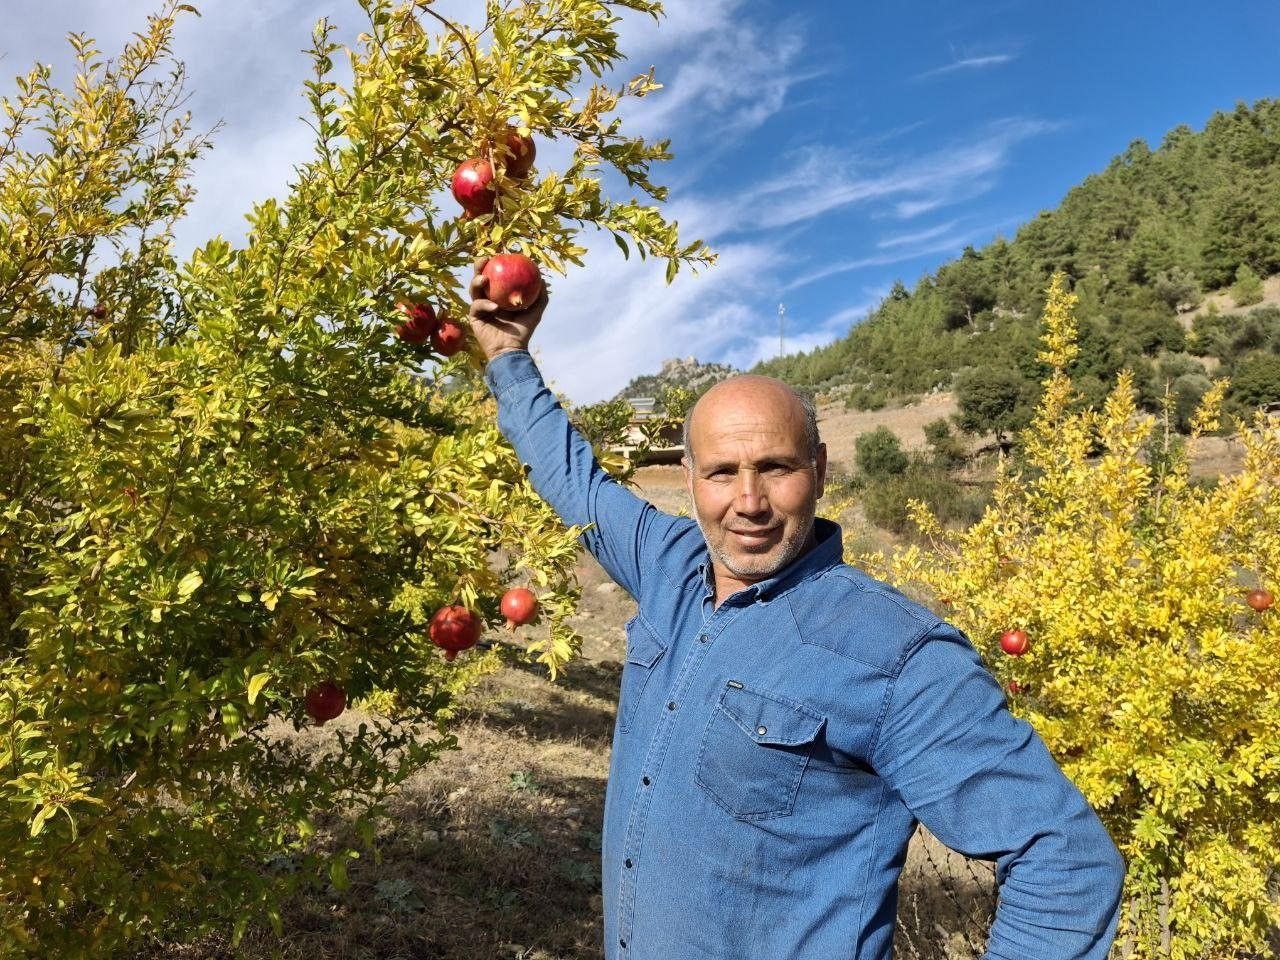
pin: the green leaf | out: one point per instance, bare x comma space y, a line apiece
338, 874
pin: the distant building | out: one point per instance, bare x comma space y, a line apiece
667, 447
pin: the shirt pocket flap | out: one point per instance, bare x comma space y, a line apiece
644, 647
769, 719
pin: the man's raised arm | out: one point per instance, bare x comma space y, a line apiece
627, 532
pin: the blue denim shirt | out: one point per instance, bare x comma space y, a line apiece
772, 756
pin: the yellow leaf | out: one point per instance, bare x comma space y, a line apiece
256, 683
189, 584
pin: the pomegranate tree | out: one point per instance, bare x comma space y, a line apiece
233, 500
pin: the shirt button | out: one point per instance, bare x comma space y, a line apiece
622, 944
761, 730
646, 781
703, 638
628, 863
671, 705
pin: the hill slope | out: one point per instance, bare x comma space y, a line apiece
1140, 241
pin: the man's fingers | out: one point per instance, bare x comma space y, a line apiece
479, 286
484, 309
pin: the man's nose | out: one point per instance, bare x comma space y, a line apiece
751, 493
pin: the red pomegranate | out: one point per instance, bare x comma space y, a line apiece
519, 606
449, 338
326, 701
454, 629
1260, 600
522, 151
473, 186
514, 280
1015, 687
99, 312
421, 323
1014, 642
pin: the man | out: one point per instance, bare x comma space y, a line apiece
785, 719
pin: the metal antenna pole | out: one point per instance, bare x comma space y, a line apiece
782, 310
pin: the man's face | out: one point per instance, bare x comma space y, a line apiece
753, 484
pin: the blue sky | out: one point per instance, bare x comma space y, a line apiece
825, 148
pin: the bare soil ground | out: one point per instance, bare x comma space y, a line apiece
1227, 306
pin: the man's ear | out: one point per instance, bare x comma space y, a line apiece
820, 470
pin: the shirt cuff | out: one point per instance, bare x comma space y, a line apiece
510, 369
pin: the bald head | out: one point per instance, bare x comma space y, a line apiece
775, 398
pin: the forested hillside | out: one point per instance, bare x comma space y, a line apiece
1141, 242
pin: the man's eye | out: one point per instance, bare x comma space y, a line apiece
774, 469
723, 473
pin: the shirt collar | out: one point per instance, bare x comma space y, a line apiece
826, 553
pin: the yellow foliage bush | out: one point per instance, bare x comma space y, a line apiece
1153, 683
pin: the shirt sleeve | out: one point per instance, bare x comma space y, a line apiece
626, 533
984, 784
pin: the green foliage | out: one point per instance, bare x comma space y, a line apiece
227, 481
1247, 290
1255, 382
879, 453
966, 288
948, 450
887, 499
1177, 289
992, 400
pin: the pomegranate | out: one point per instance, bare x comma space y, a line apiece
519, 606
454, 629
1014, 642
1260, 600
449, 338
473, 186
326, 701
514, 280
522, 151
421, 322
99, 312
1015, 687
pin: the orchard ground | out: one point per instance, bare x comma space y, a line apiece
493, 852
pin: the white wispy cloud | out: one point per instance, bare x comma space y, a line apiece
824, 179
923, 246
703, 99
969, 63
919, 236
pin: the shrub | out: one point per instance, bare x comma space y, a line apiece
879, 453
1148, 677
1247, 290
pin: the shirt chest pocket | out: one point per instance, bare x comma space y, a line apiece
644, 650
754, 752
